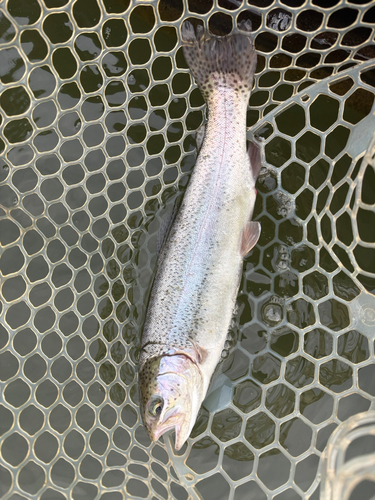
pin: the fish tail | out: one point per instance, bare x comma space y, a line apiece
228, 61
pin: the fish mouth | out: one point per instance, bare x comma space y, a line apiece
182, 432
159, 432
173, 419
181, 435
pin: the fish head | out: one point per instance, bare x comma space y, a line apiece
171, 393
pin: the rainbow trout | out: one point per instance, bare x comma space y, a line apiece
200, 264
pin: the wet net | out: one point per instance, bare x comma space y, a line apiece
98, 113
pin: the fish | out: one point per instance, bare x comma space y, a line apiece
200, 264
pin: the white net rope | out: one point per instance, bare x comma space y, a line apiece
98, 115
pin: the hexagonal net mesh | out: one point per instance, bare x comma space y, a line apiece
98, 113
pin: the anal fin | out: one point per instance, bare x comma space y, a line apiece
165, 226
250, 236
255, 159
199, 137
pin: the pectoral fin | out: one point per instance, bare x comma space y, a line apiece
201, 353
196, 353
250, 237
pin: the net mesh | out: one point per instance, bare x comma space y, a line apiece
98, 115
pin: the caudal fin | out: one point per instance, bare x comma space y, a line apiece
228, 61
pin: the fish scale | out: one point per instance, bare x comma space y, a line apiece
199, 267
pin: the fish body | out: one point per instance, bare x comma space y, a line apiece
200, 264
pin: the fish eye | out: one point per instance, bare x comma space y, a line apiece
156, 407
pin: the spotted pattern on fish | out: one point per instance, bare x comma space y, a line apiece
147, 379
205, 55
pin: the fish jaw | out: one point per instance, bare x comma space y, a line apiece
180, 419
171, 396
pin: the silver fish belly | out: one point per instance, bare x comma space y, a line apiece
200, 264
